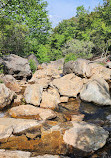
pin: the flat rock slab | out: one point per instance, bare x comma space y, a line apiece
69, 85
10, 126
14, 154
31, 112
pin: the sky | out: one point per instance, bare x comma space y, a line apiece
59, 10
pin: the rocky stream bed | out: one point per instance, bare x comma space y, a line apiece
62, 111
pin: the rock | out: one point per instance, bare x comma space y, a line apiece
33, 57
47, 156
18, 100
11, 83
1, 61
58, 64
80, 67
96, 91
29, 111
86, 137
50, 137
49, 72
50, 98
11, 126
100, 71
14, 154
78, 117
108, 118
6, 96
108, 65
44, 82
17, 66
33, 94
64, 99
69, 85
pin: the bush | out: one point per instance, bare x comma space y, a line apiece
74, 49
70, 56
33, 65
1, 69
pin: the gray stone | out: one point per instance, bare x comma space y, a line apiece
6, 96
14, 154
96, 91
17, 66
86, 137
80, 67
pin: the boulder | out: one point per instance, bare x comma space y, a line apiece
34, 58
64, 99
50, 98
69, 85
33, 94
79, 67
14, 154
6, 96
96, 91
47, 156
44, 82
108, 65
11, 126
100, 71
49, 137
17, 66
29, 111
11, 83
86, 137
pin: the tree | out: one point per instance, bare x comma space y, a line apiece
31, 14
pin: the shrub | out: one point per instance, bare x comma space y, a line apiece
70, 56
33, 65
74, 49
1, 69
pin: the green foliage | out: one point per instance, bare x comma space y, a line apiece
1, 69
43, 53
33, 65
80, 49
70, 56
1, 81
21, 22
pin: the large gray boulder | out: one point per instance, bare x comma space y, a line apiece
80, 67
17, 66
86, 137
96, 91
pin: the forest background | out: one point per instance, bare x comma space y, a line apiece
25, 29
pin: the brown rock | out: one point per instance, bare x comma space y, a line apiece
29, 111
33, 94
86, 137
50, 98
78, 118
64, 99
100, 71
69, 85
11, 83
14, 154
6, 96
